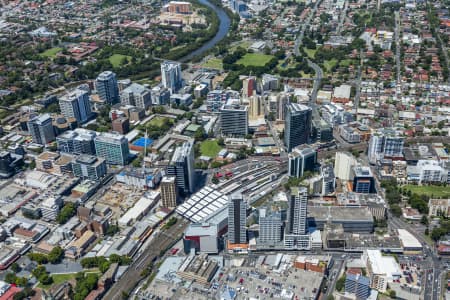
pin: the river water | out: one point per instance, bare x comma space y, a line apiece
224, 27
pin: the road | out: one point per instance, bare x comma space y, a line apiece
445, 52
397, 53
358, 83
316, 86
432, 285
299, 40
132, 276
342, 18
334, 275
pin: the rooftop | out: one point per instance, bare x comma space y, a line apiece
202, 204
338, 213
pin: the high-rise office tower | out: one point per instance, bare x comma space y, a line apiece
256, 108
270, 82
41, 129
363, 180
171, 76
282, 101
107, 87
298, 204
248, 86
234, 120
297, 125
270, 226
182, 167
301, 159
76, 105
113, 148
78, 141
296, 236
343, 164
136, 95
168, 191
329, 179
237, 216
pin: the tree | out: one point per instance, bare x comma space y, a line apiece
10, 277
200, 134
67, 212
355, 153
330, 297
16, 268
137, 162
56, 255
104, 266
396, 210
114, 258
436, 233
40, 258
340, 283
392, 294
424, 220
41, 275
215, 180
112, 230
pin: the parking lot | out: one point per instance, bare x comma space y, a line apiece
290, 283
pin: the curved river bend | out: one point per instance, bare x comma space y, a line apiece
224, 27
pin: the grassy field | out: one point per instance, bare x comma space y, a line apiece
254, 59
116, 59
243, 45
305, 75
429, 190
210, 148
157, 121
57, 279
51, 52
329, 64
310, 52
346, 62
214, 63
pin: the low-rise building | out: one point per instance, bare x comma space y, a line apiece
198, 268
381, 269
438, 207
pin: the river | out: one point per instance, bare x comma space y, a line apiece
224, 27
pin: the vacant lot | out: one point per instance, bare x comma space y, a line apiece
51, 52
254, 59
157, 121
210, 148
429, 190
117, 59
214, 63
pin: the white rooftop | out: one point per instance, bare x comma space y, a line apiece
202, 204
383, 265
407, 239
